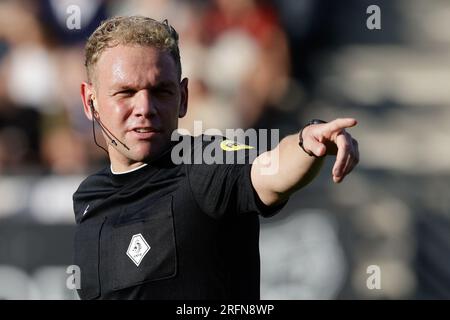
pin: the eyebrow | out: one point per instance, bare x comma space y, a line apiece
166, 83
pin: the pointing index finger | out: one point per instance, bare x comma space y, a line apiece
342, 123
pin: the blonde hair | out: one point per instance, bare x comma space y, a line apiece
131, 30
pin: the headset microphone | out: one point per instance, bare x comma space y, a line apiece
108, 133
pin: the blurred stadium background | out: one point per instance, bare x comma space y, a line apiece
260, 64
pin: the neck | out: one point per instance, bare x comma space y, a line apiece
121, 164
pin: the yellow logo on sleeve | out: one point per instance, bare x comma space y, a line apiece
230, 145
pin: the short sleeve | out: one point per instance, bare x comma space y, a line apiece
226, 189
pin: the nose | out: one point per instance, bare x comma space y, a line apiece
143, 104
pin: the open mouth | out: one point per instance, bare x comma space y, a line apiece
144, 130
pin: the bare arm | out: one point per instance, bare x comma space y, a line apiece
293, 168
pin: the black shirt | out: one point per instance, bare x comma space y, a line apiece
170, 231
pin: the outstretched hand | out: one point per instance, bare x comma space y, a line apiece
332, 139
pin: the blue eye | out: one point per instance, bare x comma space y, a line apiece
127, 93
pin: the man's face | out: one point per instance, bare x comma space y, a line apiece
139, 99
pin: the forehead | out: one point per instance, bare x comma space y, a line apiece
134, 65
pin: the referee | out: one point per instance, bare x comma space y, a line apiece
152, 228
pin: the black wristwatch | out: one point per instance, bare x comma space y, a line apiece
300, 142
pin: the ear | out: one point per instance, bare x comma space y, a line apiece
87, 94
184, 98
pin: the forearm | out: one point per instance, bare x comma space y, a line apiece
292, 167
294, 170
